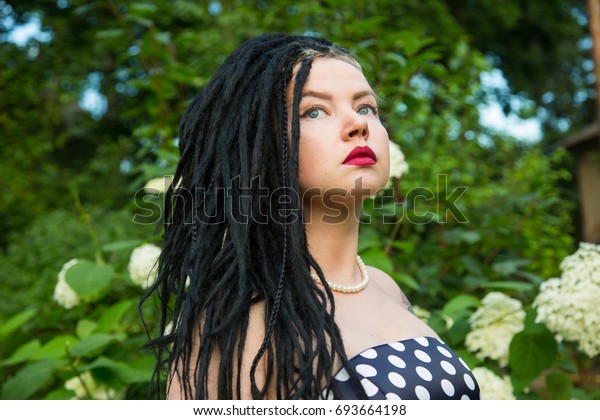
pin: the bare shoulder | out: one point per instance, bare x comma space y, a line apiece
254, 338
389, 285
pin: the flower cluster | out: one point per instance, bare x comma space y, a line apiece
63, 293
85, 387
398, 165
142, 265
491, 386
494, 325
569, 305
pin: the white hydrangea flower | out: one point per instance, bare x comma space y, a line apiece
493, 326
568, 305
159, 185
142, 265
98, 392
493, 387
63, 293
583, 264
398, 164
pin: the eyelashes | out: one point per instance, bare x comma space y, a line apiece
372, 108
316, 112
310, 113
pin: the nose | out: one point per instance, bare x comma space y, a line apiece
356, 128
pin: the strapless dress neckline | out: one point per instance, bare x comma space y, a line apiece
413, 368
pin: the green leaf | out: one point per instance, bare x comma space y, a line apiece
519, 384
15, 322
85, 327
23, 353
509, 267
457, 307
163, 37
458, 331
470, 236
406, 280
453, 236
534, 279
530, 317
88, 279
94, 343
55, 348
60, 394
396, 58
110, 33
472, 265
141, 371
580, 394
29, 380
377, 258
142, 8
473, 282
121, 245
508, 285
368, 239
113, 315
436, 322
148, 23
531, 351
86, 8
406, 247
469, 358
559, 386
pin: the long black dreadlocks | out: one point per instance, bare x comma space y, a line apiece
230, 241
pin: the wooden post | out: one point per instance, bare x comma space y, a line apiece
594, 23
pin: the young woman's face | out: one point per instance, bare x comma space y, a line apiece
343, 145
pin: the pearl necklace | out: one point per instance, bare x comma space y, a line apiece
349, 289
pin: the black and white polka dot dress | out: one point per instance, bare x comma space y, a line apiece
422, 368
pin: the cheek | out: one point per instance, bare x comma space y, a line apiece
383, 154
306, 161
386, 165
310, 146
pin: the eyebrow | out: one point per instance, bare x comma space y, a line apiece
326, 96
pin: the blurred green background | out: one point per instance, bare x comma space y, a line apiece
89, 108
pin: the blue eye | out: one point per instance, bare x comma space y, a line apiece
367, 110
313, 113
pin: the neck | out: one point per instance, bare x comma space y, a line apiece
333, 240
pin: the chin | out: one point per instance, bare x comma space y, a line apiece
370, 182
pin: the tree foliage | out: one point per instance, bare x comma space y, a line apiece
543, 49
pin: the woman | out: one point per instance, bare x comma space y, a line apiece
259, 277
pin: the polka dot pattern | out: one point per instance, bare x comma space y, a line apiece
447, 387
420, 368
396, 361
397, 380
366, 370
447, 366
369, 354
424, 373
369, 387
422, 356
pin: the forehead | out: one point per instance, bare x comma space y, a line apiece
331, 75
335, 74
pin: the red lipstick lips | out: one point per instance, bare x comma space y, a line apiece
361, 156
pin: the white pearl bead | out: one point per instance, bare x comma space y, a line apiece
350, 289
